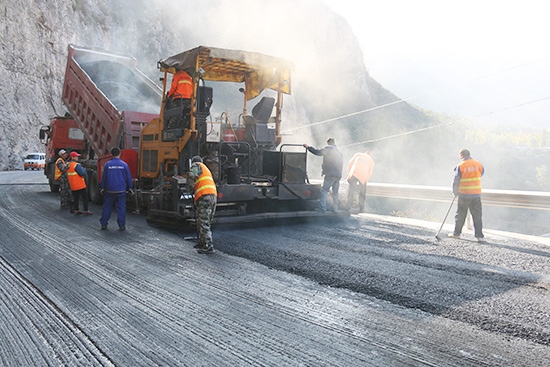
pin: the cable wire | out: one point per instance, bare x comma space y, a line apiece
447, 123
424, 94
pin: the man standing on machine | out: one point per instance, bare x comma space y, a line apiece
179, 97
333, 163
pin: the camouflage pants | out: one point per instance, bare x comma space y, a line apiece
205, 207
65, 194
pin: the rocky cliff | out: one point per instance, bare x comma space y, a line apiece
329, 80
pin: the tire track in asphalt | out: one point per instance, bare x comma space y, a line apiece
434, 283
234, 311
119, 280
102, 271
62, 249
37, 330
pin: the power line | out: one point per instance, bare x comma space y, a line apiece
447, 123
398, 135
417, 96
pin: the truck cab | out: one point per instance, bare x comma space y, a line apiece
62, 133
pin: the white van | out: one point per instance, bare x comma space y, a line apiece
35, 161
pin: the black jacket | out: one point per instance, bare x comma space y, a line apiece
333, 160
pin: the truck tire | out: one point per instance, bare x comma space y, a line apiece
54, 186
93, 189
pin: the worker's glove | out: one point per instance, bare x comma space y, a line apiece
130, 191
102, 191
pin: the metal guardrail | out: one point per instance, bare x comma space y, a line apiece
507, 198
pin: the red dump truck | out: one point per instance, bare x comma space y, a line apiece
114, 104
111, 101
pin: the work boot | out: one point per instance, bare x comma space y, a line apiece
481, 240
206, 250
452, 235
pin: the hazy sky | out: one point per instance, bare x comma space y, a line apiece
451, 41
501, 33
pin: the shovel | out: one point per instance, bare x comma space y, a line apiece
446, 215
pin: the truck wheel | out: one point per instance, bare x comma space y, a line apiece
93, 190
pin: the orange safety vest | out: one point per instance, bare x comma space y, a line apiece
204, 184
58, 173
360, 166
470, 179
76, 182
182, 85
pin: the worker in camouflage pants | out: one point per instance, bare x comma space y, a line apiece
205, 203
60, 175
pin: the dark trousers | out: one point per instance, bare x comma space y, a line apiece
329, 183
356, 188
83, 193
118, 200
474, 206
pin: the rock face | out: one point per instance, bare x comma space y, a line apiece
329, 79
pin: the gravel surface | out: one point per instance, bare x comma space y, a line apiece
367, 291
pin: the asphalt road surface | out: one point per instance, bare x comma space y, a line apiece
367, 291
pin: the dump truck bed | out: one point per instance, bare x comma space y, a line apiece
109, 98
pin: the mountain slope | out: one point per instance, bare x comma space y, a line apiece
329, 79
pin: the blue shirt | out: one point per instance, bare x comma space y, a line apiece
116, 176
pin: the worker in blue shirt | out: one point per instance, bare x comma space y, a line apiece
116, 179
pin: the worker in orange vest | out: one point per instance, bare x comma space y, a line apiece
76, 175
467, 186
206, 195
360, 169
179, 97
182, 86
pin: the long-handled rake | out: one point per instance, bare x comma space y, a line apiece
446, 215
